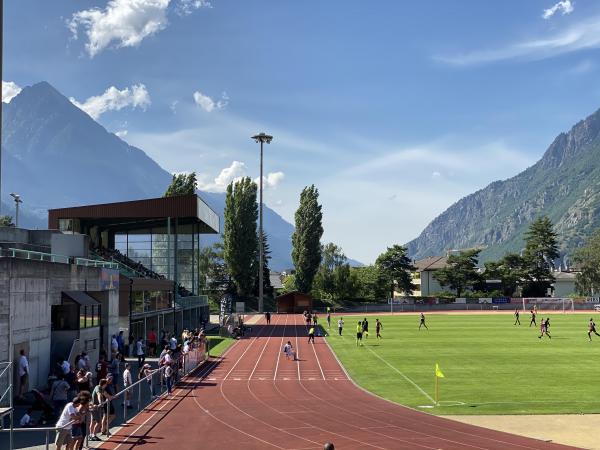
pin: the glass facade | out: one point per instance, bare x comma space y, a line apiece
147, 301
155, 251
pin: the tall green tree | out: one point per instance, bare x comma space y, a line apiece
267, 287
240, 238
334, 280
306, 240
397, 268
182, 184
460, 273
541, 249
509, 270
587, 282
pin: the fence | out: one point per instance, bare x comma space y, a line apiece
140, 394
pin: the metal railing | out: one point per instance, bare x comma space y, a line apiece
141, 393
96, 263
192, 301
36, 256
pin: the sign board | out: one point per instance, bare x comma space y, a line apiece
500, 300
461, 300
485, 300
109, 279
240, 307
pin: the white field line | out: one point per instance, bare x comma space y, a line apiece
280, 347
403, 376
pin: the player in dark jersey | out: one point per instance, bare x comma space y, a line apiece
532, 321
378, 328
517, 321
544, 325
422, 322
365, 328
592, 329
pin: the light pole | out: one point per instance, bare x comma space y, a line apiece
18, 200
262, 138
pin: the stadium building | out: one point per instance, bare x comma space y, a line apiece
100, 269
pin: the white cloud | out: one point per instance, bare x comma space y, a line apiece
208, 104
125, 22
186, 7
235, 172
436, 174
564, 6
581, 36
272, 180
114, 99
9, 90
121, 133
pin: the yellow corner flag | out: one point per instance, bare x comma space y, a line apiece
438, 372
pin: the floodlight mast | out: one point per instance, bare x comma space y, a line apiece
262, 138
18, 200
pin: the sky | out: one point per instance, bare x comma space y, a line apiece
393, 109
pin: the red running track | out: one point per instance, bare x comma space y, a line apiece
253, 398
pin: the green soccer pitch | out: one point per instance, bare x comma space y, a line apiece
490, 365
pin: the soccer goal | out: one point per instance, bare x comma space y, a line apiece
549, 304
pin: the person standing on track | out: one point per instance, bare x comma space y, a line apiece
340, 325
308, 319
532, 321
592, 329
268, 317
315, 319
378, 328
311, 335
365, 328
359, 333
422, 322
517, 321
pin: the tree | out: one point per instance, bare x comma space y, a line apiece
334, 279
182, 184
461, 271
397, 268
509, 270
306, 240
541, 249
267, 288
240, 238
372, 284
587, 282
6, 221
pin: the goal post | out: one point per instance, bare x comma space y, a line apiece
563, 304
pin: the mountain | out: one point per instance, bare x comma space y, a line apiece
564, 185
55, 155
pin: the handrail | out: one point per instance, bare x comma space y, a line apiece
41, 256
95, 263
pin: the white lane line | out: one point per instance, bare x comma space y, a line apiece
280, 347
403, 376
261, 353
205, 370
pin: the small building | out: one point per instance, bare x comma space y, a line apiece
423, 276
294, 302
564, 284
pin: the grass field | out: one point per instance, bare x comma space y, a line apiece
218, 345
490, 365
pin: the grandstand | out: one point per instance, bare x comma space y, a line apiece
155, 244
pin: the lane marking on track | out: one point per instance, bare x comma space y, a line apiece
403, 376
206, 369
280, 347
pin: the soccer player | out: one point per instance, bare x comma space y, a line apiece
365, 328
544, 325
359, 333
532, 321
378, 328
422, 322
340, 325
517, 321
592, 329
328, 320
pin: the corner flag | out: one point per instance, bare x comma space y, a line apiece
438, 372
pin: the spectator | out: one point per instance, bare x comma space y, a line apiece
108, 411
115, 369
26, 421
66, 366
59, 395
84, 362
146, 371
131, 340
23, 373
96, 409
78, 428
68, 414
152, 342
127, 382
121, 342
101, 368
84, 381
114, 345
169, 378
173, 343
139, 352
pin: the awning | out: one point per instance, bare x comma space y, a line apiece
82, 298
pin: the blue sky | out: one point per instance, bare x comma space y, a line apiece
393, 109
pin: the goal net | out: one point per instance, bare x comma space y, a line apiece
549, 304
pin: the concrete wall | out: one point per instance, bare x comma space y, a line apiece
28, 289
429, 285
70, 245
